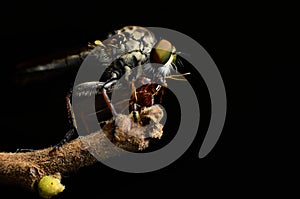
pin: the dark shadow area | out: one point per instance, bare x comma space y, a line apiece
247, 50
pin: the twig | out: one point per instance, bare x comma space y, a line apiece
26, 169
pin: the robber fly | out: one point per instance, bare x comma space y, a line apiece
143, 61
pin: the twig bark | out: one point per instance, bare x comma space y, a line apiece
26, 169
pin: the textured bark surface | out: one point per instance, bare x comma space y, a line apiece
27, 168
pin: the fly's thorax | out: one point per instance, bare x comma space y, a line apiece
137, 38
134, 57
129, 47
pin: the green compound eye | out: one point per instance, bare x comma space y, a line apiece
161, 52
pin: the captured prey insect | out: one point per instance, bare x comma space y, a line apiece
135, 61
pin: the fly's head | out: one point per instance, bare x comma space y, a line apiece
163, 53
163, 61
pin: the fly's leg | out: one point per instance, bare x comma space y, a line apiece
161, 95
71, 120
24, 150
68, 136
134, 106
104, 89
71, 117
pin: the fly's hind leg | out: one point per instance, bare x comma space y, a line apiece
24, 150
85, 89
69, 135
72, 124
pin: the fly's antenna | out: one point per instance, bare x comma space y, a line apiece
182, 53
175, 77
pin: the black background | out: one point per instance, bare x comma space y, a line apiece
250, 44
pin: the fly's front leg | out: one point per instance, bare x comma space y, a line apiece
134, 113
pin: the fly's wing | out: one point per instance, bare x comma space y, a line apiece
88, 89
123, 41
93, 89
89, 103
91, 92
48, 67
